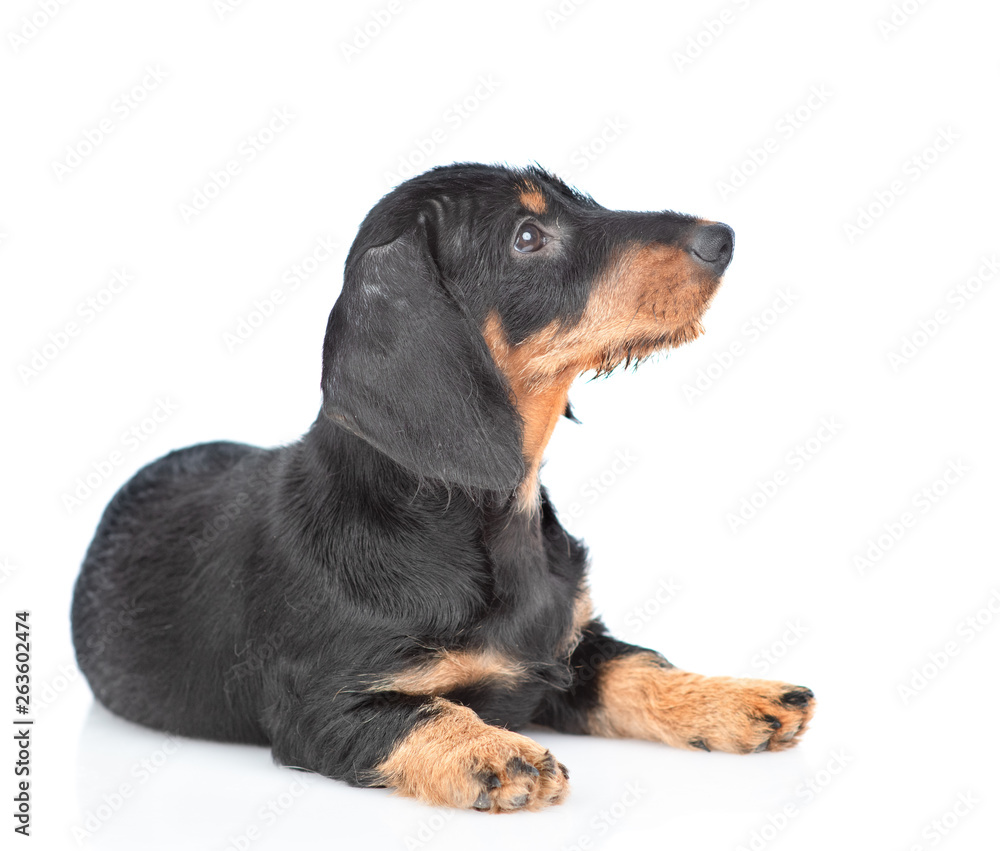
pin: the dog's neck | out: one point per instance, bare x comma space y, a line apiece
539, 390
540, 408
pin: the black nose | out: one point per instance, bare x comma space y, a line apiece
713, 245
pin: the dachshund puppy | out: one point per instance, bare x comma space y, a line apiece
388, 599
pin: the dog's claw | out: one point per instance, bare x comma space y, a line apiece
772, 722
797, 697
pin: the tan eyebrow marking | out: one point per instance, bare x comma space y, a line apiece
532, 199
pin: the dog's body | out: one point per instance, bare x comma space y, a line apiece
387, 599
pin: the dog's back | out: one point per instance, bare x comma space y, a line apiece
143, 580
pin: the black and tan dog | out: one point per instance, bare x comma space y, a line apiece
387, 599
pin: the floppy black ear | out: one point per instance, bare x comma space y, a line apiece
406, 369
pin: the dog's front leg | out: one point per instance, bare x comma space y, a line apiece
426, 748
624, 691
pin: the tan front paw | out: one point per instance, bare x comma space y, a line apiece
748, 716
641, 697
457, 760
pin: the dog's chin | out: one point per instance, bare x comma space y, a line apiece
635, 351
685, 334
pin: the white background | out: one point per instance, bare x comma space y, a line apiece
598, 94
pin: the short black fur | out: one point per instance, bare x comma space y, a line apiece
251, 595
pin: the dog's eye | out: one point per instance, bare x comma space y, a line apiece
529, 238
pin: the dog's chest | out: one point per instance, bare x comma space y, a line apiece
534, 586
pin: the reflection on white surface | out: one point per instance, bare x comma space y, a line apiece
142, 788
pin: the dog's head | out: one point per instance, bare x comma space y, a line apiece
474, 295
